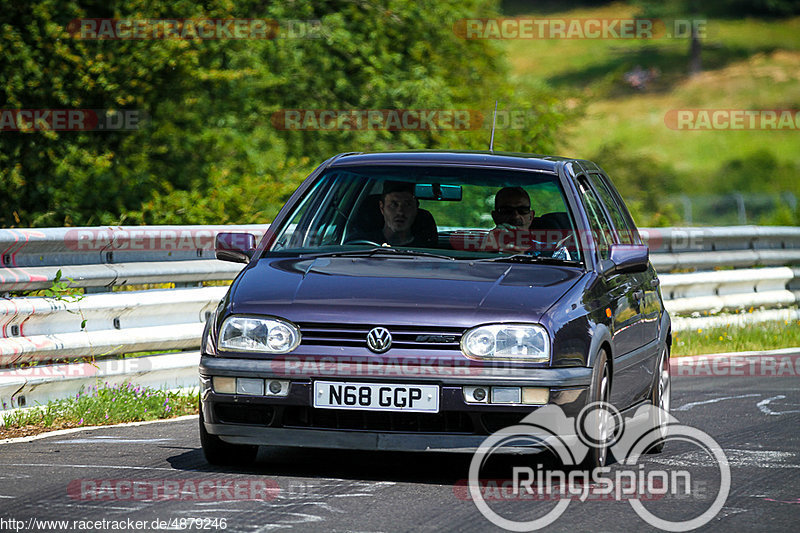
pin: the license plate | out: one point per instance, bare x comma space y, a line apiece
376, 397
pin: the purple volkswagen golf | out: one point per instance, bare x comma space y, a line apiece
423, 300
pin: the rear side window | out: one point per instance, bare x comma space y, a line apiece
601, 228
616, 210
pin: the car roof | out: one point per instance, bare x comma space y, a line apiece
450, 157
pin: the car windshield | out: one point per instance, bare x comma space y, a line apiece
432, 211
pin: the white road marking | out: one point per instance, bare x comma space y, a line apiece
119, 467
311, 493
715, 400
127, 508
728, 511
736, 458
93, 428
114, 440
763, 406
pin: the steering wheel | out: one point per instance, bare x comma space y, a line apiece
364, 241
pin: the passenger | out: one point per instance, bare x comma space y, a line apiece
512, 216
512, 208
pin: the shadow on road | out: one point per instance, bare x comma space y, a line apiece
427, 467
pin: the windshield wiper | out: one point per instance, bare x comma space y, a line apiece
525, 258
378, 250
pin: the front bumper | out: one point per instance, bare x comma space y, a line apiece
459, 426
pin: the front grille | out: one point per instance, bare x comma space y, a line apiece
496, 421
253, 415
406, 337
445, 422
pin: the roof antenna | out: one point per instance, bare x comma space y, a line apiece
494, 121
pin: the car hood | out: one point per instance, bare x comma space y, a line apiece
408, 290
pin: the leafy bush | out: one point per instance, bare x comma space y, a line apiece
206, 151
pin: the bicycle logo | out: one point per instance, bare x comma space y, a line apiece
570, 440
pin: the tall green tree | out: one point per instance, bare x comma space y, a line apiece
206, 150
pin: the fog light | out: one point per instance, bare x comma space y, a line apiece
535, 395
476, 395
224, 385
277, 387
506, 395
250, 386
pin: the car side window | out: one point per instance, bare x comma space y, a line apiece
601, 228
624, 231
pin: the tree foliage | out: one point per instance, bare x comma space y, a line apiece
206, 150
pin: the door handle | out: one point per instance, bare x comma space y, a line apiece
655, 282
639, 295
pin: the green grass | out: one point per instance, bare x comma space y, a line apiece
106, 404
764, 336
748, 64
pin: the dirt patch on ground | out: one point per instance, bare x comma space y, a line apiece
28, 431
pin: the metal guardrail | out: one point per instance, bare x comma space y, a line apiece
712, 292
714, 247
100, 258
29, 386
43, 329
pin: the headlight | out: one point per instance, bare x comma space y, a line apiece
514, 342
265, 335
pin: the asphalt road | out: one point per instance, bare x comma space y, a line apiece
756, 420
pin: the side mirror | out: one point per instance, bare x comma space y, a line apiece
235, 247
628, 258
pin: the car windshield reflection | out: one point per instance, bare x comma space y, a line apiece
435, 212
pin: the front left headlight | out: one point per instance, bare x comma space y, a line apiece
510, 342
263, 335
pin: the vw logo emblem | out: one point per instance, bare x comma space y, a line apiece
379, 340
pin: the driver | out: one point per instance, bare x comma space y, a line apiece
399, 207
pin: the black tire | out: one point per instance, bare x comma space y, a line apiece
660, 397
599, 455
219, 452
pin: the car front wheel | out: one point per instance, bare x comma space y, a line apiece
660, 399
598, 422
219, 452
